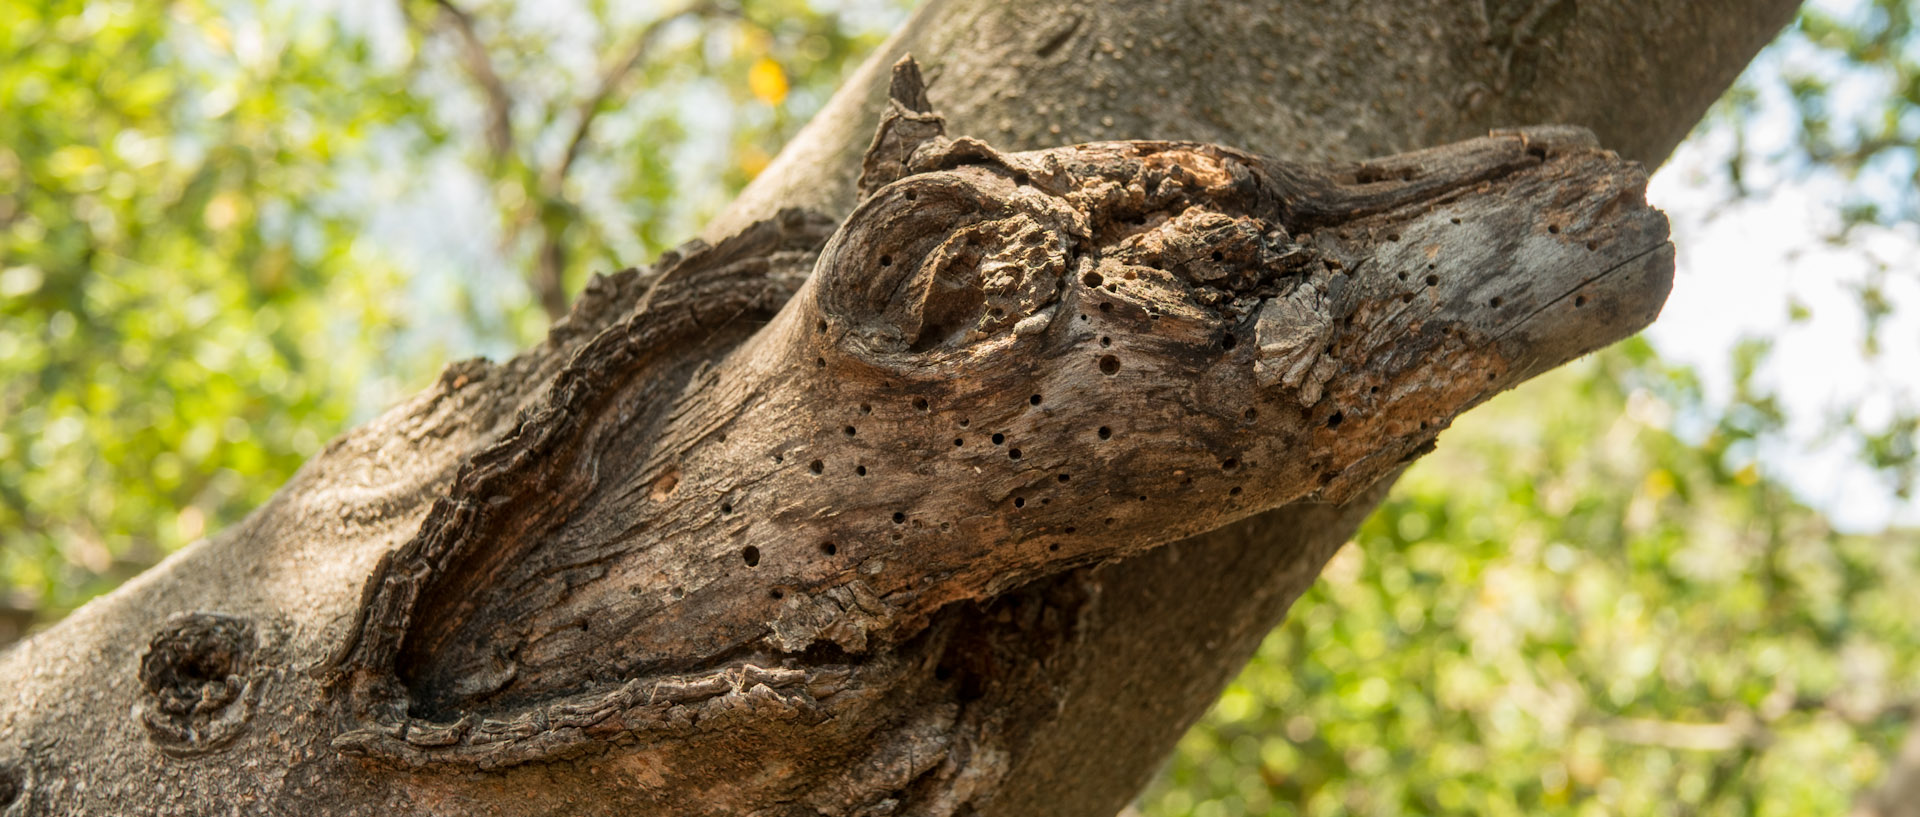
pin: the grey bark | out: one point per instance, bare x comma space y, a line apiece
605, 576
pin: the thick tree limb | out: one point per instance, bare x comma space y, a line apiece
1070, 320
1030, 701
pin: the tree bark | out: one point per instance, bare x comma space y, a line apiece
707, 549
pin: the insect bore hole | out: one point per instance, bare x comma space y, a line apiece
750, 555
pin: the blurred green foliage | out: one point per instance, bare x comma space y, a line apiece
1568, 609
183, 317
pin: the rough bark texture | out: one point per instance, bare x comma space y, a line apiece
713, 548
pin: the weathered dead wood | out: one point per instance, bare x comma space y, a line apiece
1003, 366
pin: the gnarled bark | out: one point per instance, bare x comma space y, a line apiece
688, 556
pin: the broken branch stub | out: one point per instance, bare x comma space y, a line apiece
1002, 366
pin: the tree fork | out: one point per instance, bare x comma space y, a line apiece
1007, 704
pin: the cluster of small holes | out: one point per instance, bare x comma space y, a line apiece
1108, 364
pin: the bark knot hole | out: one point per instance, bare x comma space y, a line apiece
12, 783
198, 674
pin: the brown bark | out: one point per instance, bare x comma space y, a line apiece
688, 555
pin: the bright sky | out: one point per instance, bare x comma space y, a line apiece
1742, 264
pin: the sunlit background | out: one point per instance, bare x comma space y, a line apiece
1675, 577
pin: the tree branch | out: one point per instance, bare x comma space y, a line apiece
479, 66
550, 260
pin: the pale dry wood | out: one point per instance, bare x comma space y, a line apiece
1004, 366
